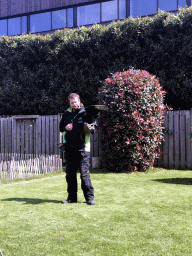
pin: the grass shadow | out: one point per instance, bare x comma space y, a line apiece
32, 200
92, 170
179, 181
98, 171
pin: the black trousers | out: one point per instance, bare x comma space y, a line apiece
75, 160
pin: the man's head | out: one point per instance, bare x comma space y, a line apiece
74, 100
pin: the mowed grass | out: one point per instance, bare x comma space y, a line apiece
135, 214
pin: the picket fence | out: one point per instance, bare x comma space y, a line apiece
13, 166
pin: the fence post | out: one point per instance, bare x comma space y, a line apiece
176, 139
188, 141
38, 136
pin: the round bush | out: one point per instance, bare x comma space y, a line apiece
132, 131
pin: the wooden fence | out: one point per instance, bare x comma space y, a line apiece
177, 147
176, 150
39, 135
35, 135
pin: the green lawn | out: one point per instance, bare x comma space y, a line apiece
135, 214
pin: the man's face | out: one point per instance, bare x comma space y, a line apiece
75, 103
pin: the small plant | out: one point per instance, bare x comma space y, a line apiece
132, 131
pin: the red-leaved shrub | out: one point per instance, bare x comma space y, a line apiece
132, 131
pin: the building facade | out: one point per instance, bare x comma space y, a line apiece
45, 16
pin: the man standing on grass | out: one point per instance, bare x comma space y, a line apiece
75, 125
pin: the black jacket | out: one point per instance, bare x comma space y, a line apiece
76, 138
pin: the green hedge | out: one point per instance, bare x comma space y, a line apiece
38, 72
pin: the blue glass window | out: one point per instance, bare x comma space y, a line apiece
182, 3
3, 27
70, 17
59, 19
170, 5
40, 22
14, 26
24, 24
142, 7
122, 9
109, 10
88, 14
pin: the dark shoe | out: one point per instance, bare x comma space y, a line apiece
68, 201
90, 202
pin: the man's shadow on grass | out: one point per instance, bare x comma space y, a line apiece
32, 200
179, 181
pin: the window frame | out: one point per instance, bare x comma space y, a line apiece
73, 9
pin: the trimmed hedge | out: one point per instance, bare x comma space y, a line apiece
132, 131
38, 72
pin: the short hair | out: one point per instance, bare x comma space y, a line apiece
73, 95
